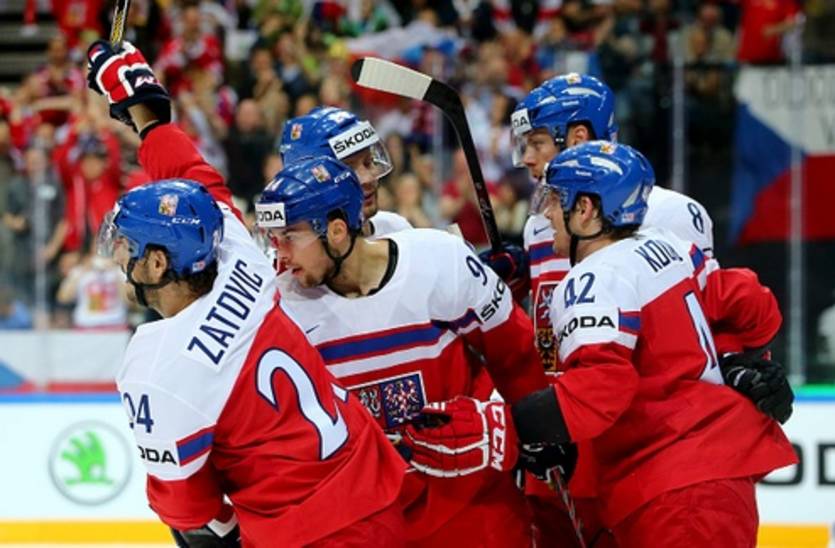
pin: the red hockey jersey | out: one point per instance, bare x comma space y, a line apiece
642, 377
227, 397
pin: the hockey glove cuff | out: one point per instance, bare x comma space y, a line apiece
511, 265
762, 381
461, 437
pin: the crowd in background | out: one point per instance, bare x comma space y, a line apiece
237, 69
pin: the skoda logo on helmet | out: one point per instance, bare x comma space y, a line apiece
520, 122
270, 215
355, 139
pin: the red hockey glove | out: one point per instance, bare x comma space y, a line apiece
462, 436
126, 79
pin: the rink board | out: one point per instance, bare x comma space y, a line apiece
76, 476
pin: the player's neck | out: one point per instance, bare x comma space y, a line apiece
363, 270
171, 299
587, 247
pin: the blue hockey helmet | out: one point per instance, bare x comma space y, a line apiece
617, 174
309, 190
334, 132
175, 214
560, 102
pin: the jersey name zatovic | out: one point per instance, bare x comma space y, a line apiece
228, 398
648, 392
406, 345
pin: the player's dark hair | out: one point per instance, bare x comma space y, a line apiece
614, 232
340, 214
200, 283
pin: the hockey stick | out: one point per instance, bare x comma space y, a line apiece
382, 75
120, 19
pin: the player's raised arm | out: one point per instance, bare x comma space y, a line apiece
138, 100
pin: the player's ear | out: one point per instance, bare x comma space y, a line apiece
337, 231
156, 265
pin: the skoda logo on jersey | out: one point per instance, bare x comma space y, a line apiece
520, 122
90, 463
585, 322
270, 215
359, 137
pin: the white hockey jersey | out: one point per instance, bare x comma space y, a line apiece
408, 344
384, 223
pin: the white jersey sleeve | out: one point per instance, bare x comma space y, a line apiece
594, 305
682, 215
477, 297
386, 222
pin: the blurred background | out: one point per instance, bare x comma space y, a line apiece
732, 101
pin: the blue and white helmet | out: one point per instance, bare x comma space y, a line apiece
334, 132
560, 102
309, 190
178, 215
617, 174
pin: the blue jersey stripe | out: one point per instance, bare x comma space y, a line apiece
376, 343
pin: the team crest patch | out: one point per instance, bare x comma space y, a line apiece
320, 173
394, 401
295, 131
545, 341
573, 78
168, 205
607, 148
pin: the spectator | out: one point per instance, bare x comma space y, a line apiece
713, 43
193, 48
35, 191
408, 198
96, 289
458, 202
13, 313
92, 185
247, 145
56, 82
763, 24
78, 17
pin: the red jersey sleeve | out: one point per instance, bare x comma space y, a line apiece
188, 503
167, 153
742, 313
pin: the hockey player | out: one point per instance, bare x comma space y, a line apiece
225, 395
334, 132
393, 319
678, 452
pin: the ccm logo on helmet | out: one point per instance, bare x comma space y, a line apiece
270, 215
355, 139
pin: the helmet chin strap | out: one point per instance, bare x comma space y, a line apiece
140, 288
337, 260
575, 238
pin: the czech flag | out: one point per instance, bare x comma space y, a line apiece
778, 108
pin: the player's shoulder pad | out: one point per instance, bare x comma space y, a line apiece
537, 229
594, 304
174, 439
387, 222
